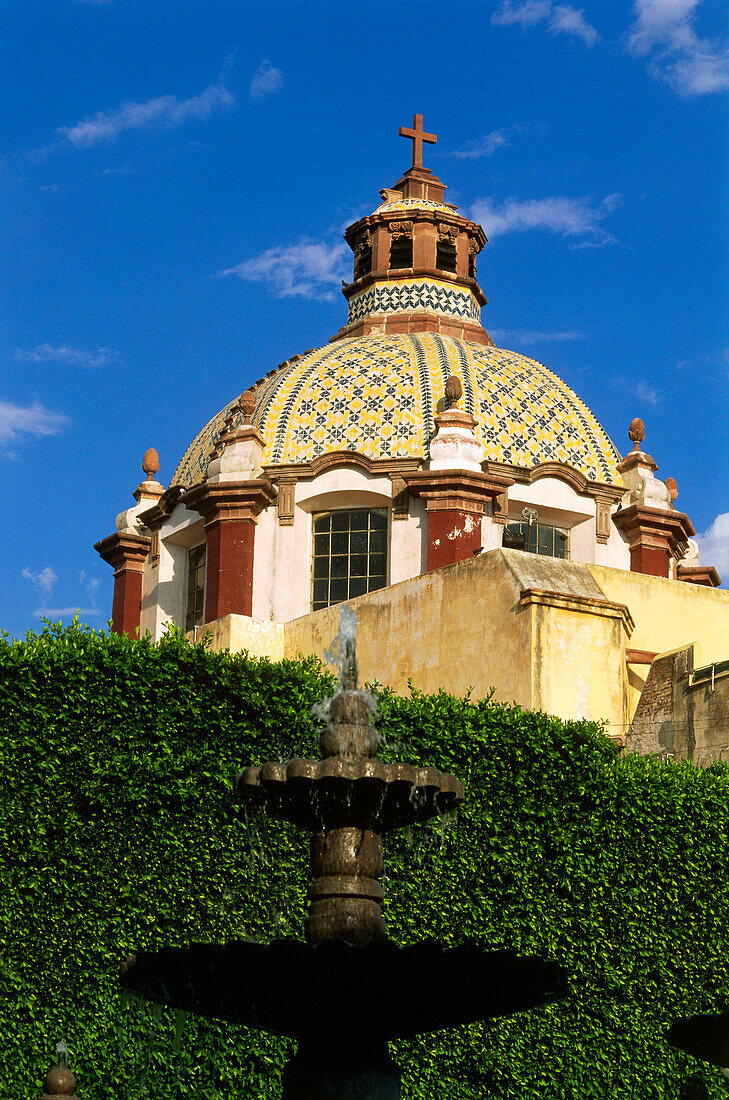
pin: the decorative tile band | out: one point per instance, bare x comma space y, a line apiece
414, 294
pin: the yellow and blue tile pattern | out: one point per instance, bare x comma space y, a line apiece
378, 395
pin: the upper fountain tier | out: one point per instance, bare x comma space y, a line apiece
334, 793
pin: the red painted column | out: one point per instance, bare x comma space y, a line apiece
230, 510
454, 502
452, 536
127, 554
229, 568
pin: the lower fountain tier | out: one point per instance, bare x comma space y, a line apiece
337, 991
705, 1037
334, 792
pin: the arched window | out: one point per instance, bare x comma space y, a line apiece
350, 555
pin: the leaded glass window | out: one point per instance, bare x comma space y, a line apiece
350, 555
195, 587
537, 538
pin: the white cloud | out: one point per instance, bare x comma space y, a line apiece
519, 336
308, 269
482, 147
266, 80
73, 357
559, 18
165, 112
569, 217
714, 544
649, 395
663, 32
43, 581
35, 419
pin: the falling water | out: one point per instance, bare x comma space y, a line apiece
342, 654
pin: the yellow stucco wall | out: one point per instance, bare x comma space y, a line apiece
239, 632
459, 628
469, 627
668, 615
578, 661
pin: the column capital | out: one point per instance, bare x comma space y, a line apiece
456, 490
655, 536
231, 500
125, 553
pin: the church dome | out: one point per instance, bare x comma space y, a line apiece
378, 394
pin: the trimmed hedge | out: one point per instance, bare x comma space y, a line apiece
118, 831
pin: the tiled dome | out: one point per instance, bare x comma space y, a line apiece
378, 394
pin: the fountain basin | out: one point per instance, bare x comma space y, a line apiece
345, 991
335, 792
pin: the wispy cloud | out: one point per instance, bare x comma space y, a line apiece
558, 18
164, 113
73, 357
43, 581
714, 544
663, 32
266, 80
33, 420
523, 337
308, 269
579, 218
482, 147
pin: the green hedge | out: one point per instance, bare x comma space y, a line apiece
118, 831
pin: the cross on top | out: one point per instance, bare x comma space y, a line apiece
417, 135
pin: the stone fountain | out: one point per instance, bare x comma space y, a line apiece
348, 990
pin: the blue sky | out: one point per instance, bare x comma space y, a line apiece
175, 181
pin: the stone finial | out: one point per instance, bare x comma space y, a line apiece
637, 458
453, 390
672, 487
247, 404
636, 432
59, 1082
150, 463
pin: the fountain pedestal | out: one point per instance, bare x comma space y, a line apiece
345, 895
319, 1073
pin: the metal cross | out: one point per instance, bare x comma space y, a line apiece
417, 135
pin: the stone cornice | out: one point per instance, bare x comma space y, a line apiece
125, 553
231, 500
586, 605
155, 516
705, 575
599, 490
455, 490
